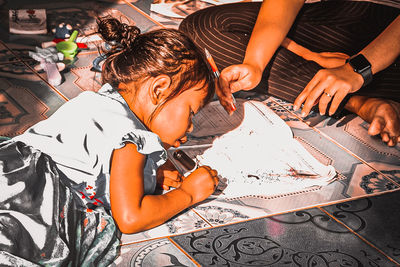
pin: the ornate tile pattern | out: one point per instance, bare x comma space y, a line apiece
160, 252
303, 238
184, 222
375, 218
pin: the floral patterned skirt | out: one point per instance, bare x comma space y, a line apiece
40, 219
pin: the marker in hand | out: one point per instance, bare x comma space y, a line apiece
189, 164
216, 73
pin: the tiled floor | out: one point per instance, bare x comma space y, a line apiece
351, 222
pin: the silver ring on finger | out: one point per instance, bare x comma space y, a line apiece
328, 94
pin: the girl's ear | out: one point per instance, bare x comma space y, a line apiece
160, 88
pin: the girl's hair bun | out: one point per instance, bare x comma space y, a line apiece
112, 30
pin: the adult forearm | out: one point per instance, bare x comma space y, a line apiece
383, 51
273, 23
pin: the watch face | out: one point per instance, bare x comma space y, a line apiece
359, 63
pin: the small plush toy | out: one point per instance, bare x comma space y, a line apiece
62, 33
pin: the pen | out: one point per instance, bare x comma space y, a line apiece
189, 164
216, 73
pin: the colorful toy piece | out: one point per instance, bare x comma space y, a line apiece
69, 48
49, 61
62, 31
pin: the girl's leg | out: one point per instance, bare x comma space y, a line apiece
333, 26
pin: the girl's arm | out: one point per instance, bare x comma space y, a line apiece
132, 210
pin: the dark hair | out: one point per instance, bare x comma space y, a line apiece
163, 51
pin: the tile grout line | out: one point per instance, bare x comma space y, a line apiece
211, 225
358, 235
141, 241
338, 144
183, 251
36, 73
143, 13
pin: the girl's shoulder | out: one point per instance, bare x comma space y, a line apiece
106, 96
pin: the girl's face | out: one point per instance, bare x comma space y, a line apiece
174, 120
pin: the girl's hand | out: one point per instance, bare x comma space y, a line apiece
200, 183
328, 86
168, 176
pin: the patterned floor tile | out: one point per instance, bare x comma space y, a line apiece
182, 223
375, 218
141, 17
24, 101
304, 238
79, 76
159, 252
219, 212
345, 157
143, 5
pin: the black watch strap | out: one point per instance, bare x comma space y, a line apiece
362, 66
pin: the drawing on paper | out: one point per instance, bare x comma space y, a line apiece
261, 157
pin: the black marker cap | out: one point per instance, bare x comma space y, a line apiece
184, 159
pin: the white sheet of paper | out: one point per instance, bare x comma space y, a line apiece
261, 157
253, 151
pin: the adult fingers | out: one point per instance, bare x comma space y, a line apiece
392, 128
376, 126
301, 98
314, 93
224, 94
337, 99
333, 95
389, 133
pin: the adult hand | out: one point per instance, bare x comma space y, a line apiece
386, 122
382, 114
235, 78
328, 59
328, 86
168, 176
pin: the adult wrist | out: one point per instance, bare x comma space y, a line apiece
362, 66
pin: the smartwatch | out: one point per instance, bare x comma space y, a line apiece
362, 66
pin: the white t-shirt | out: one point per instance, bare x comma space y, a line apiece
82, 134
